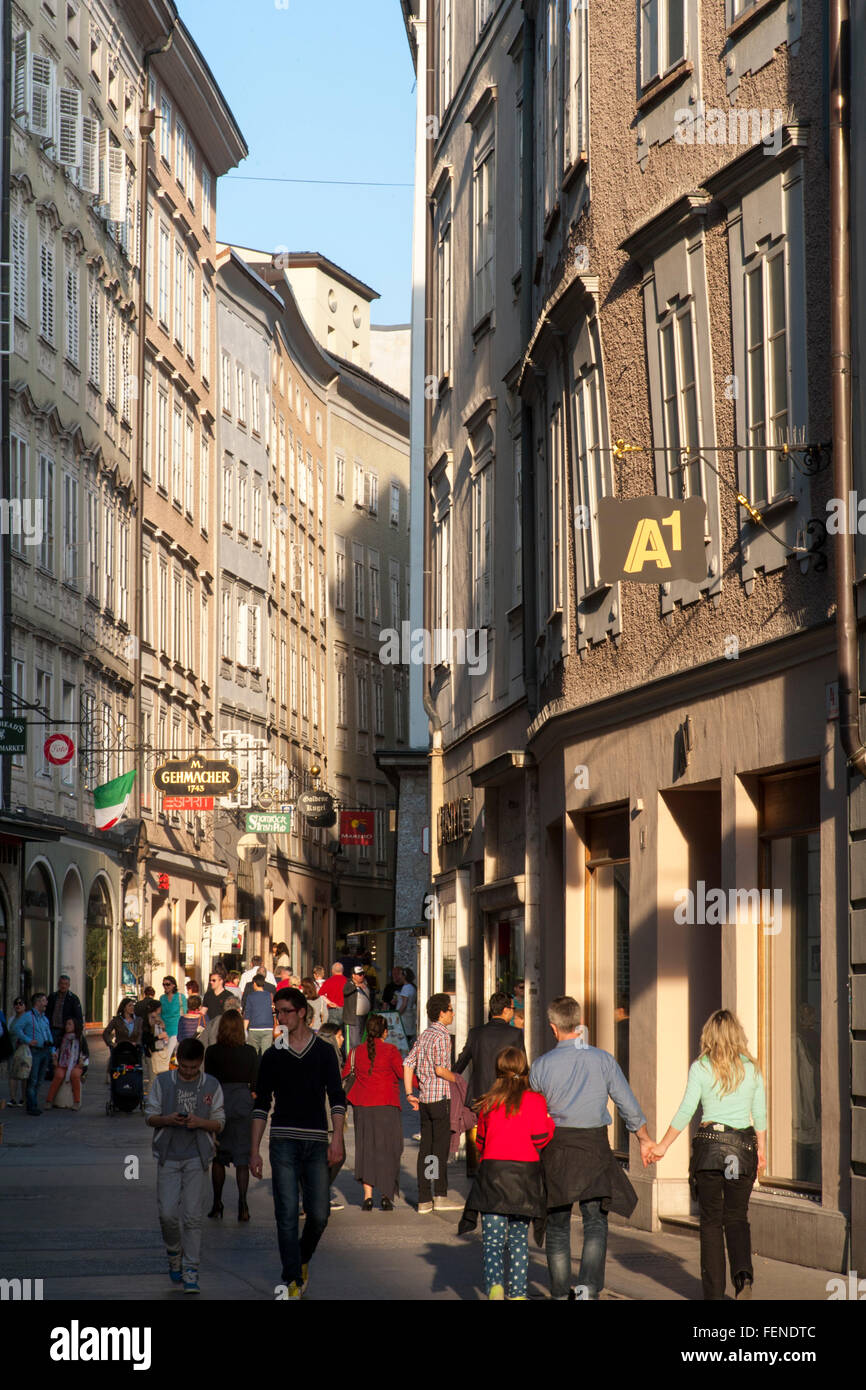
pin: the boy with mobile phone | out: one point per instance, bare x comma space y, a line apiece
186, 1108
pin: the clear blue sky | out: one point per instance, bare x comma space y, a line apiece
323, 89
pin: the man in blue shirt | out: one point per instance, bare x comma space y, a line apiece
34, 1029
576, 1081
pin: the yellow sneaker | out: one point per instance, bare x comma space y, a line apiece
496, 1294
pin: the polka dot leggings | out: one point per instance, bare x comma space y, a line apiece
497, 1232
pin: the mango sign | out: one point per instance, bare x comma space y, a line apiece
649, 540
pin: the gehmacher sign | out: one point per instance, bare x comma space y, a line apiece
650, 540
197, 776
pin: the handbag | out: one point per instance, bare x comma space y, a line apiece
21, 1064
350, 1080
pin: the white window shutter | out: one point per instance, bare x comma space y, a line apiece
242, 654
42, 74
70, 133
102, 160
21, 83
90, 134
89, 154
116, 184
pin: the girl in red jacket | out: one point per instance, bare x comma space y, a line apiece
513, 1128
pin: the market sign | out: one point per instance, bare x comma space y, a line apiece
269, 822
13, 736
651, 540
318, 807
197, 776
187, 803
357, 827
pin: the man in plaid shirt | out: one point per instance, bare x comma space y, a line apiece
430, 1056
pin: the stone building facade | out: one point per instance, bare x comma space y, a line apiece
628, 255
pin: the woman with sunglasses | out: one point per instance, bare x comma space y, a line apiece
172, 1005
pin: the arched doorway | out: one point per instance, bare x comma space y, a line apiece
37, 933
100, 919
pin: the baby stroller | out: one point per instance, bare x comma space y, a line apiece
125, 1072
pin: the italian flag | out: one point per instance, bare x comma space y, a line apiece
110, 800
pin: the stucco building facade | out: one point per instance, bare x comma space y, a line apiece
641, 310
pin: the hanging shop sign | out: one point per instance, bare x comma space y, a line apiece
13, 736
454, 820
197, 776
318, 807
59, 749
357, 827
651, 540
227, 936
187, 803
269, 822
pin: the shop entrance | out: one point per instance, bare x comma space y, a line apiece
505, 957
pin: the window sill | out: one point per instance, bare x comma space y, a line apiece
661, 86
551, 220
774, 508
597, 591
753, 15
577, 167
484, 326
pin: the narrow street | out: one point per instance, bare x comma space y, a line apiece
70, 1216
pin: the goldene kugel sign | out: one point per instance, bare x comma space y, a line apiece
650, 540
318, 807
197, 777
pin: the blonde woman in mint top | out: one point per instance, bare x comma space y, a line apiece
728, 1150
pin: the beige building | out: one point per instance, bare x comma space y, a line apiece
74, 504
363, 437
195, 139
654, 274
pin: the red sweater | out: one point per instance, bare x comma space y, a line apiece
519, 1137
333, 989
382, 1086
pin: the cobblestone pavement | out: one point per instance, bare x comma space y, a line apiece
70, 1216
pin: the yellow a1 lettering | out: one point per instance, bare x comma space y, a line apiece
674, 521
647, 547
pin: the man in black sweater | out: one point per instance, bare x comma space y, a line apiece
483, 1045
295, 1075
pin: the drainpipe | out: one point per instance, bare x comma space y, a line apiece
840, 377
527, 453
429, 272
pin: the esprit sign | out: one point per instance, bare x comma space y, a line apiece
650, 540
197, 777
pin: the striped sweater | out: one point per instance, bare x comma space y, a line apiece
296, 1084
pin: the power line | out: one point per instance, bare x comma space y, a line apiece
342, 183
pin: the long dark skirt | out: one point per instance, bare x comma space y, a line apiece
233, 1142
378, 1146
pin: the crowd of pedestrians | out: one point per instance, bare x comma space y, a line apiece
266, 1045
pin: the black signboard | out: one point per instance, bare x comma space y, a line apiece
650, 540
197, 776
318, 807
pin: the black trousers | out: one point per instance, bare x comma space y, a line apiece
433, 1150
724, 1209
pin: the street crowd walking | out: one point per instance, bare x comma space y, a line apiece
256, 1048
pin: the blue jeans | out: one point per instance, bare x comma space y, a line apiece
299, 1164
496, 1232
41, 1062
558, 1245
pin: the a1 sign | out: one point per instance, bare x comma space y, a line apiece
13, 736
650, 540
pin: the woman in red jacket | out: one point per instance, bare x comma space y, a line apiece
375, 1101
513, 1128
